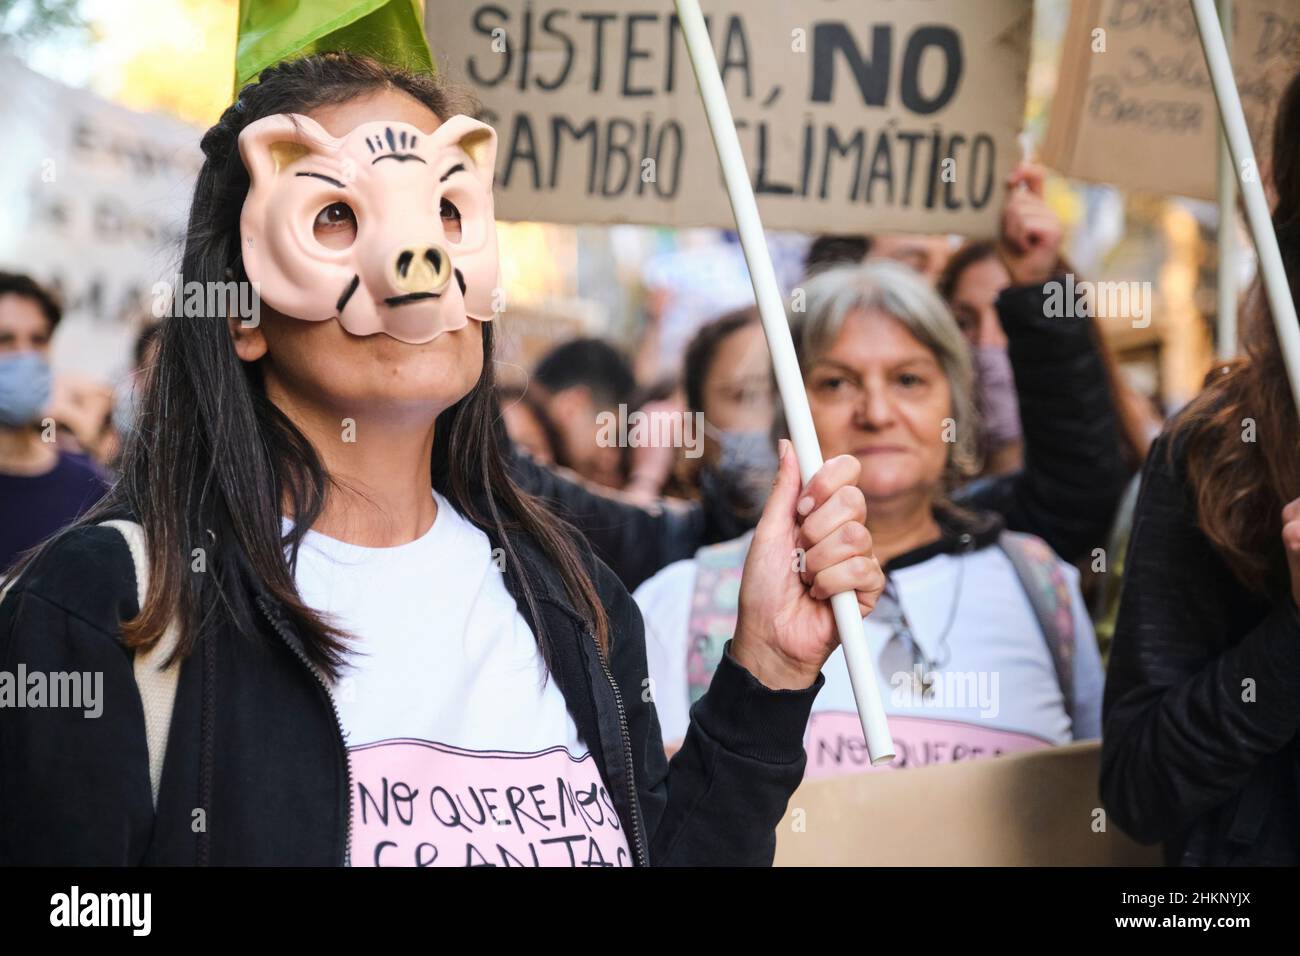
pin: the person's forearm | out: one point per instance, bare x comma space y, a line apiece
1074, 472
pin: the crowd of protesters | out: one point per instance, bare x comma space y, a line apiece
999, 453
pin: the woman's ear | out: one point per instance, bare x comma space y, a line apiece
250, 343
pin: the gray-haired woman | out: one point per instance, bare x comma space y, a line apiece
982, 642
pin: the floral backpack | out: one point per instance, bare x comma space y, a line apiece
714, 604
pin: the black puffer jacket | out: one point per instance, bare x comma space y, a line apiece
1073, 478
255, 741
1202, 706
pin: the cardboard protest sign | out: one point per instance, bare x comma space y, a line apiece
1031, 808
1134, 106
889, 116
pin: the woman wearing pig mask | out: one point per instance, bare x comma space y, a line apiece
358, 593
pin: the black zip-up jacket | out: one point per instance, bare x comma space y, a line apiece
255, 742
1073, 478
1202, 708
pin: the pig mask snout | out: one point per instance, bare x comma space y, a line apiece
421, 270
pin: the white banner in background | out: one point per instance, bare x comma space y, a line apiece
93, 201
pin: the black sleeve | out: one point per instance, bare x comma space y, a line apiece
720, 799
1074, 472
1204, 680
634, 541
74, 780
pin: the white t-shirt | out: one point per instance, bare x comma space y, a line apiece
462, 750
996, 691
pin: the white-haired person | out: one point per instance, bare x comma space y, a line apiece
981, 640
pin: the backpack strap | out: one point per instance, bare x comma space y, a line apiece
714, 605
157, 685
1048, 590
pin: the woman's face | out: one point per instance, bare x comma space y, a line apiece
973, 300
738, 394
321, 364
880, 395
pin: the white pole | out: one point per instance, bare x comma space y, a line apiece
1257, 213
1227, 244
862, 671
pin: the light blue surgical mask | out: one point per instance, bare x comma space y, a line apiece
745, 468
25, 384
125, 404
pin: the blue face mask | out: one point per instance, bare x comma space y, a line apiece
24, 388
745, 468
125, 405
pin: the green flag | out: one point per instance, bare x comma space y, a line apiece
391, 31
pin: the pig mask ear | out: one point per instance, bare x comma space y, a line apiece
477, 140
273, 142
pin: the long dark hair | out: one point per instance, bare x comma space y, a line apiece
213, 460
1240, 486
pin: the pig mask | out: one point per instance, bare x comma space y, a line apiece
406, 273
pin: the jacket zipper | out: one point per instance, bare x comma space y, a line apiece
334, 710
638, 840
